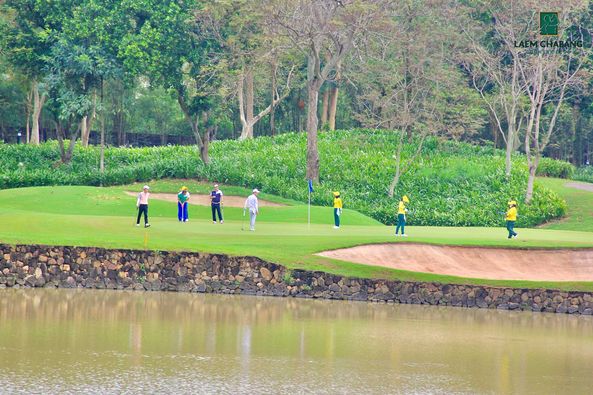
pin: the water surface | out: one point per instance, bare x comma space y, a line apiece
91, 341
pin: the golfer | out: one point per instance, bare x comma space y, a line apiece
511, 218
182, 202
216, 204
337, 210
142, 205
251, 204
401, 216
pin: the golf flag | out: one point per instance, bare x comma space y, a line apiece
310, 186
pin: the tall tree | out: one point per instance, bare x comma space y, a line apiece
26, 36
406, 79
322, 27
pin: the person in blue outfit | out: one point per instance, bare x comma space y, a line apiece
182, 202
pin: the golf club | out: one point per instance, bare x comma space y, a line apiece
243, 221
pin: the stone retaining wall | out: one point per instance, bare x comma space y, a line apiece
87, 267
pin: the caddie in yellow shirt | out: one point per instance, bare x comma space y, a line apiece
511, 217
337, 209
401, 216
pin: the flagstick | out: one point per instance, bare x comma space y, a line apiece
309, 212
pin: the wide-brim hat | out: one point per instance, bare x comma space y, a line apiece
336, 193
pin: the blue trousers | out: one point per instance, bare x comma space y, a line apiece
511, 228
216, 209
336, 217
401, 223
182, 212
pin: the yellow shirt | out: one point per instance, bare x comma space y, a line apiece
337, 203
401, 209
512, 214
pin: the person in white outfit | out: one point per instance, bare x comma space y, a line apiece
251, 204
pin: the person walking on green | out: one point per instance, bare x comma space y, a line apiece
251, 204
142, 205
401, 216
337, 209
182, 202
511, 218
216, 204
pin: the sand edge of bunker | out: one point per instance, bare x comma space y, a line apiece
490, 263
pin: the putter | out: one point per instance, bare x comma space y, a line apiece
243, 222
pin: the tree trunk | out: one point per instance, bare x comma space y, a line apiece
333, 105
531, 179
273, 110
86, 124
102, 154
509, 151
312, 152
245, 96
65, 156
324, 107
204, 148
395, 180
38, 102
28, 109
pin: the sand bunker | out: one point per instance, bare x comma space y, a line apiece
204, 200
487, 263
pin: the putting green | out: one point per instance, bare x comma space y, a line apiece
105, 217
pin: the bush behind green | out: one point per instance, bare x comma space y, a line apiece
549, 167
584, 173
450, 183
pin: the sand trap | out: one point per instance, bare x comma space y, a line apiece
487, 263
204, 200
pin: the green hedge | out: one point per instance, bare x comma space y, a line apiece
450, 183
584, 173
555, 168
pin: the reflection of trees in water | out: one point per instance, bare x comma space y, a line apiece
74, 305
249, 330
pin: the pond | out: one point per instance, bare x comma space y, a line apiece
90, 341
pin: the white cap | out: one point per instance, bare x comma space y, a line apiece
145, 187
255, 190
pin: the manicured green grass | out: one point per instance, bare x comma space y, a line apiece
580, 206
105, 217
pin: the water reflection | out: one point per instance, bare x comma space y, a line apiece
109, 341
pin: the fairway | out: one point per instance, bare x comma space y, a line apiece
105, 217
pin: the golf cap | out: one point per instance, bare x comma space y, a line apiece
405, 199
512, 202
184, 188
336, 194
215, 185
255, 190
145, 187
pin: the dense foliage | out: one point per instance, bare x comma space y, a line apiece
555, 168
450, 183
584, 173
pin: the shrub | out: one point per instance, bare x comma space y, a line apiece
584, 173
555, 168
450, 183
